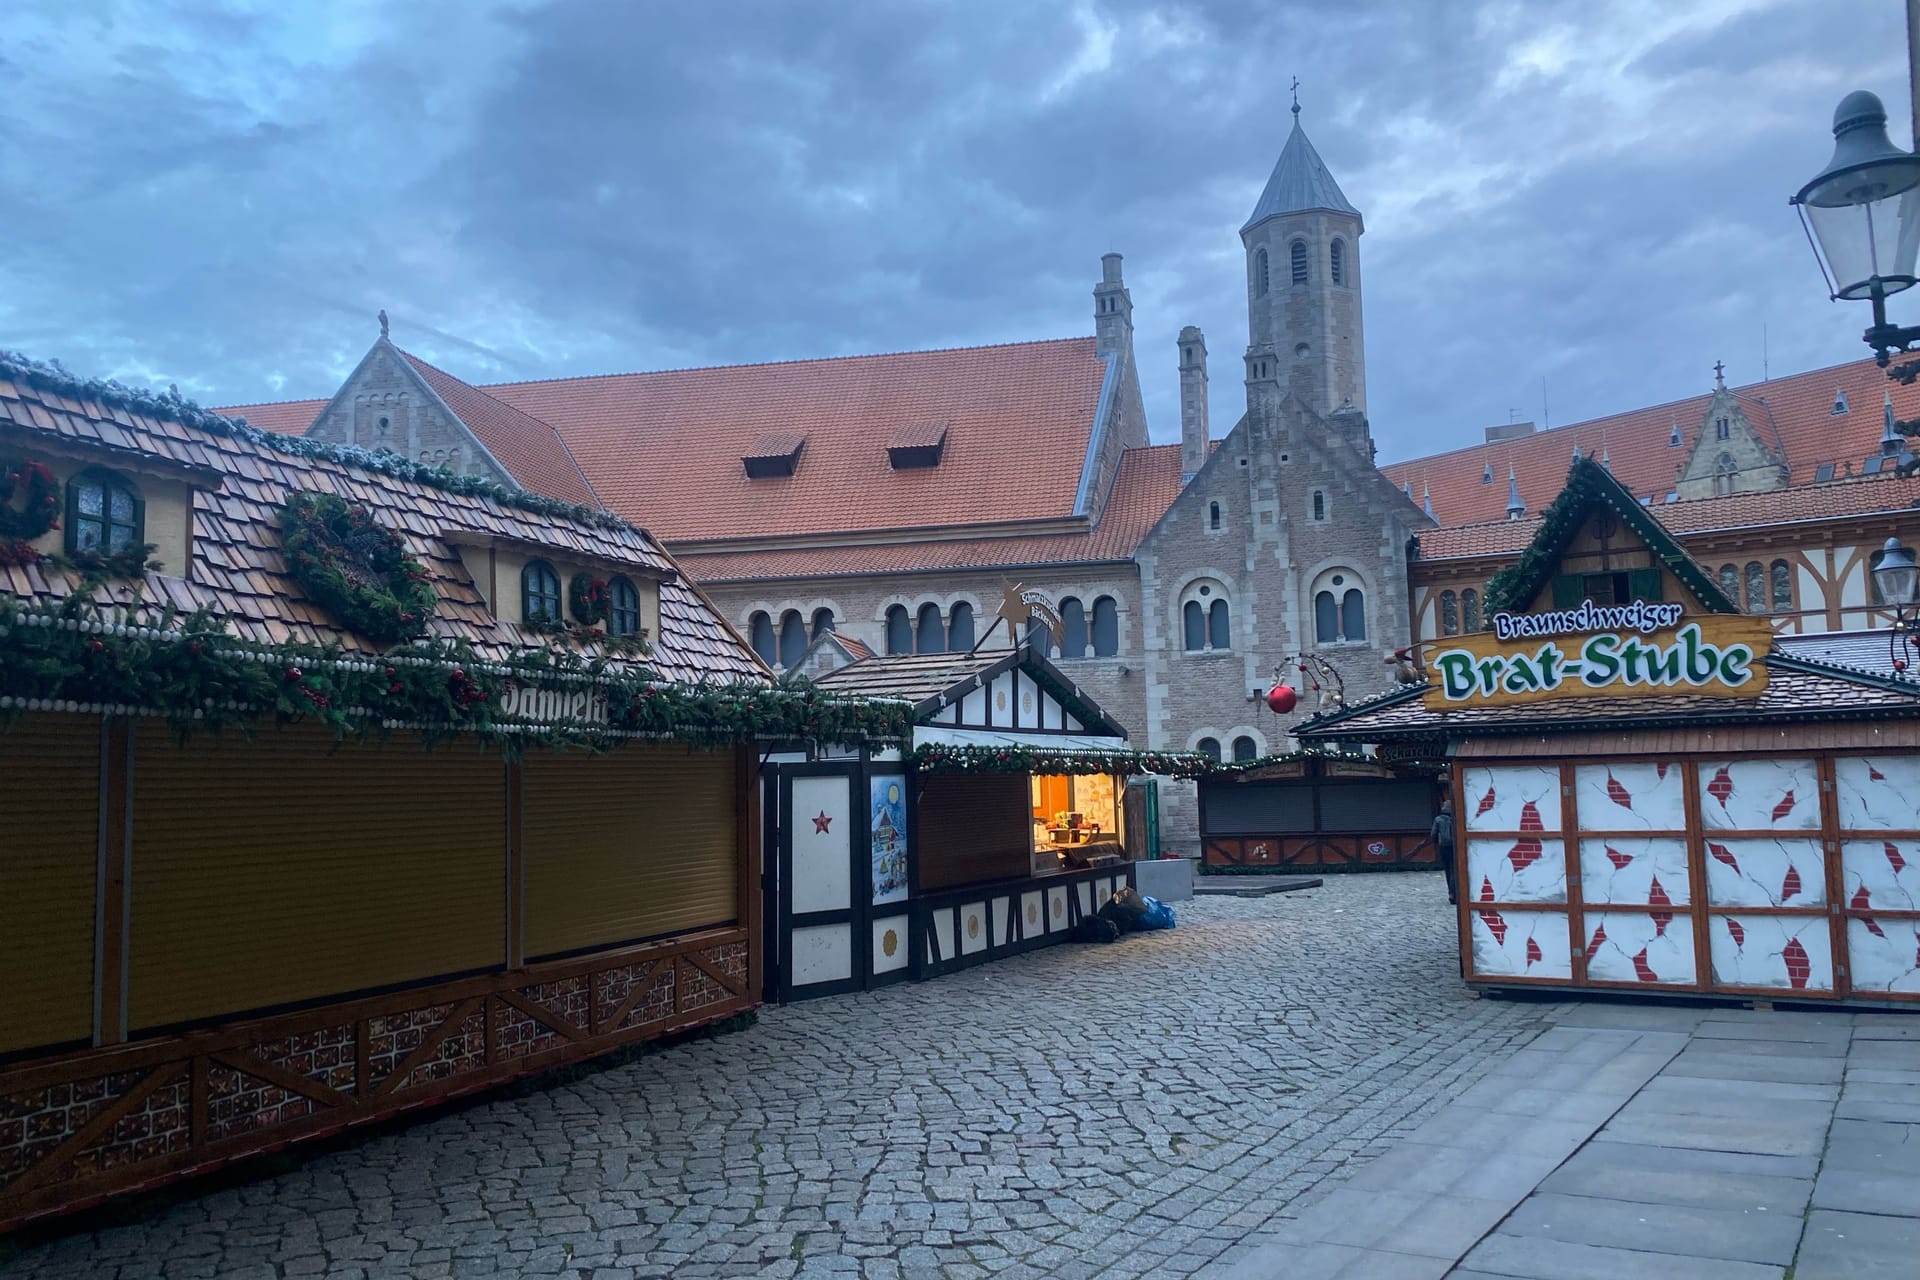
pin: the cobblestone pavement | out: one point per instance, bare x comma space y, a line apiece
1115, 1111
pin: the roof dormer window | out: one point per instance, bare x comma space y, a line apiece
1839, 403
917, 445
774, 453
105, 515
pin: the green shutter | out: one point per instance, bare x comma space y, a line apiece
1643, 584
1568, 591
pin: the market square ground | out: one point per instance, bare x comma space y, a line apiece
1141, 1109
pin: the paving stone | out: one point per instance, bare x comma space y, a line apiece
1417, 1168
1804, 1135
1749, 1235
1679, 1176
1434, 1224
1532, 1258
1899, 1055
1857, 1246
1327, 1262
1860, 1191
1717, 1064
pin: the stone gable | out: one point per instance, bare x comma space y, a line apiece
1735, 450
386, 404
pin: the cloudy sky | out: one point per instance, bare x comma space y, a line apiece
1592, 192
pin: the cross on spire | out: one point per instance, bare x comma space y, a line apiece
1719, 375
1295, 86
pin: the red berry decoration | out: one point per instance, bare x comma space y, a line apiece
1899, 664
1282, 699
293, 674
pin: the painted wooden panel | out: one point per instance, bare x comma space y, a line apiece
1634, 869
1520, 944
290, 867
821, 953
1651, 947
1761, 872
1793, 953
1521, 797
1056, 909
636, 843
1759, 793
822, 855
1631, 795
47, 877
1523, 869
1882, 873
1878, 792
973, 928
1884, 955
1033, 920
890, 944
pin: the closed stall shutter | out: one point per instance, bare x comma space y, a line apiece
292, 868
632, 844
974, 827
47, 861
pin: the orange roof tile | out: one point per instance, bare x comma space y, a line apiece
533, 453
1800, 408
664, 449
1146, 484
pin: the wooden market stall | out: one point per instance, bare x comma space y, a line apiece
240, 903
1319, 810
1008, 821
1657, 794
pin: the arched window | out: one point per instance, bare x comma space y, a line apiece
1213, 515
930, 634
899, 630
1073, 628
1353, 615
1245, 749
1319, 505
1449, 614
793, 638
1326, 618
1722, 429
960, 628
1756, 587
822, 623
1259, 273
1039, 639
539, 592
1219, 628
104, 514
1106, 627
1469, 610
623, 608
1337, 261
1723, 473
1195, 620
760, 636
1299, 253
1780, 581
1730, 582
1205, 617
1209, 747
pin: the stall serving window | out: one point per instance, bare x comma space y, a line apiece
1076, 820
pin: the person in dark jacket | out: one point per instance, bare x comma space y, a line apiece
1442, 835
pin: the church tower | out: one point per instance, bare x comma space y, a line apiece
1303, 282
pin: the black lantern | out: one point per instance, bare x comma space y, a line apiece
1862, 214
1897, 577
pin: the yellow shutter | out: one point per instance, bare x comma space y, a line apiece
290, 868
48, 856
632, 844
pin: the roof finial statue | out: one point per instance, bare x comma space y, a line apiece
383, 322
1296, 97
1719, 374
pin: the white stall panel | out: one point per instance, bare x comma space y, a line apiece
1634, 869
1631, 796
1522, 869
1790, 952
822, 826
1520, 944
1878, 792
1653, 947
822, 953
1512, 797
1758, 872
1759, 794
889, 944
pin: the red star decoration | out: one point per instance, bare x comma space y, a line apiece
820, 823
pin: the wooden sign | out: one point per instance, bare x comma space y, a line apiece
1640, 650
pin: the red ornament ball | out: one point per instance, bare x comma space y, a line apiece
1899, 664
1282, 699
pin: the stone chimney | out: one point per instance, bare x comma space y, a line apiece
1193, 402
1112, 310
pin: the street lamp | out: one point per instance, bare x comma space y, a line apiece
1862, 215
1898, 578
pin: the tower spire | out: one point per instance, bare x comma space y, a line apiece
1296, 97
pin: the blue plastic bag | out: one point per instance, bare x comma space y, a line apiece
1159, 916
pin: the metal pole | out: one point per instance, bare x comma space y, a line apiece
1913, 66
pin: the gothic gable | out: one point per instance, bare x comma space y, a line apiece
385, 404
1735, 450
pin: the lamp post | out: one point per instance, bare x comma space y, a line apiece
1862, 216
1898, 578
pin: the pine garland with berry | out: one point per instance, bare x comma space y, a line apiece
37, 514
355, 568
587, 597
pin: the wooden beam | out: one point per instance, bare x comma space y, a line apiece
748, 861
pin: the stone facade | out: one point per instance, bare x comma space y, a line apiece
1735, 449
386, 404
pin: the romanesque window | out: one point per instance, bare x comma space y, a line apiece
1756, 587
1259, 273
1339, 608
539, 593
1219, 626
1205, 616
960, 628
1730, 582
899, 630
822, 623
1353, 615
929, 632
1299, 254
1213, 515
760, 636
1469, 610
1245, 749
1106, 627
623, 608
1073, 628
1780, 582
1337, 261
1723, 473
1194, 625
1449, 614
1319, 504
793, 638
104, 514
1209, 747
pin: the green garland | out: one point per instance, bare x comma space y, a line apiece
38, 513
355, 568
587, 596
79, 656
942, 758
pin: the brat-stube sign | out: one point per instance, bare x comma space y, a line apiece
1595, 651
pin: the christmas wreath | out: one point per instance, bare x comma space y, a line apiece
587, 596
39, 512
355, 568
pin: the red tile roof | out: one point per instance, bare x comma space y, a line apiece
1801, 409
664, 449
1837, 499
533, 453
1146, 484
